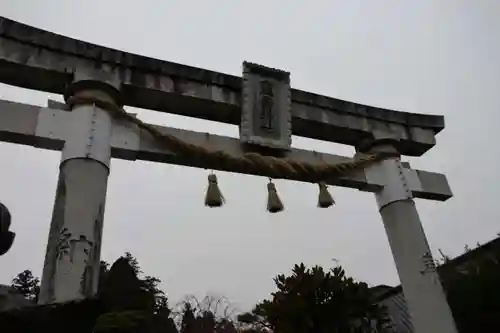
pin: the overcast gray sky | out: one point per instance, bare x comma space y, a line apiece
426, 56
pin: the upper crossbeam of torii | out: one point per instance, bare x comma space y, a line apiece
92, 127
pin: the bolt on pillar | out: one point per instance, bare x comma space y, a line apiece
72, 260
419, 278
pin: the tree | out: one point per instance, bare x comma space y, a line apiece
149, 283
132, 261
211, 314
125, 301
312, 300
132, 303
128, 306
188, 323
26, 284
153, 299
103, 272
226, 326
163, 321
122, 290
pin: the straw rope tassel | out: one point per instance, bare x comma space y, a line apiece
213, 197
260, 164
325, 199
274, 204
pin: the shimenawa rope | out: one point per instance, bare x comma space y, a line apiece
270, 166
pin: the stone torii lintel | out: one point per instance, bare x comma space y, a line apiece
47, 128
41, 60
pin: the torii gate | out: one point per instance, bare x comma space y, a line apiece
91, 128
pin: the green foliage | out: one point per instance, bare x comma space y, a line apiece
209, 315
132, 261
26, 284
123, 291
307, 300
80, 316
103, 272
206, 322
133, 304
149, 283
125, 303
226, 326
188, 324
121, 322
312, 300
163, 322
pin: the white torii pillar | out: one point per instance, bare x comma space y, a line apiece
417, 272
71, 267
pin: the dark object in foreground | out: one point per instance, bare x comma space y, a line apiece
75, 317
6, 236
121, 306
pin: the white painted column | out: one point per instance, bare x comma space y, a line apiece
71, 268
421, 285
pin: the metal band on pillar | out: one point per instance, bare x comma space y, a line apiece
389, 172
73, 251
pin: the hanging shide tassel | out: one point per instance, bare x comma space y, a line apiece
325, 199
274, 204
214, 197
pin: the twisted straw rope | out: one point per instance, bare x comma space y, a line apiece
269, 165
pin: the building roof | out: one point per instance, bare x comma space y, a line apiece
482, 252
